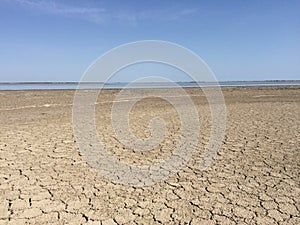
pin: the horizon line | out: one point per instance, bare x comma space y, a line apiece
96, 82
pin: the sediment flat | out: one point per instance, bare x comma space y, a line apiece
254, 179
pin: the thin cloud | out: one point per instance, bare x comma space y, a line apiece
94, 14
188, 11
102, 15
155, 15
56, 8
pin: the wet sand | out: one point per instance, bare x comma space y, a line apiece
254, 179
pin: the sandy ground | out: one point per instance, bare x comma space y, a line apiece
254, 179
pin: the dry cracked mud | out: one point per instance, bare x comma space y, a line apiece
44, 179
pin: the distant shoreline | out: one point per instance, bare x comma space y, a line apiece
121, 85
179, 82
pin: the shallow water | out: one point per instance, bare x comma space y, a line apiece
74, 85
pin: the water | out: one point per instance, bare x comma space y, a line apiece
73, 85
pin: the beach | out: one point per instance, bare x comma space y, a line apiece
253, 180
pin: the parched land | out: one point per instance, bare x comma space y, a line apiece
254, 179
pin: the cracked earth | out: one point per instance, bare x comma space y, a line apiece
44, 179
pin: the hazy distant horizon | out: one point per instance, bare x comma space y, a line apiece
121, 85
119, 82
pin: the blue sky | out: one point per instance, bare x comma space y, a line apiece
240, 40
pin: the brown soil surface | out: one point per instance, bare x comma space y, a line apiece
254, 179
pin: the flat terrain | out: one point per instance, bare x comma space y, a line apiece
254, 179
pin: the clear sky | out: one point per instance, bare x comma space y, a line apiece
240, 40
